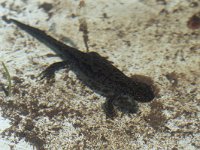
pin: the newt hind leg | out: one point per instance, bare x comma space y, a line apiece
49, 72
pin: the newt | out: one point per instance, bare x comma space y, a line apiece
96, 72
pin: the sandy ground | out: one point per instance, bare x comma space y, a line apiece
145, 38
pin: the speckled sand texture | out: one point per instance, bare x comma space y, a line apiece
141, 37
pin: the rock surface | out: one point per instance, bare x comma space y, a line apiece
144, 38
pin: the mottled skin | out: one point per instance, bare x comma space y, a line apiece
96, 72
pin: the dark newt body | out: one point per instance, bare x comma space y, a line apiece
96, 72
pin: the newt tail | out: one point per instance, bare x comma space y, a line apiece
65, 51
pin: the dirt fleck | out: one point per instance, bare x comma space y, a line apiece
17, 80
195, 48
174, 148
105, 15
194, 4
194, 21
128, 43
120, 34
84, 28
3, 4
81, 3
103, 138
46, 6
161, 2
73, 15
173, 78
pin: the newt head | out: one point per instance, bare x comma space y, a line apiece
135, 91
142, 92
